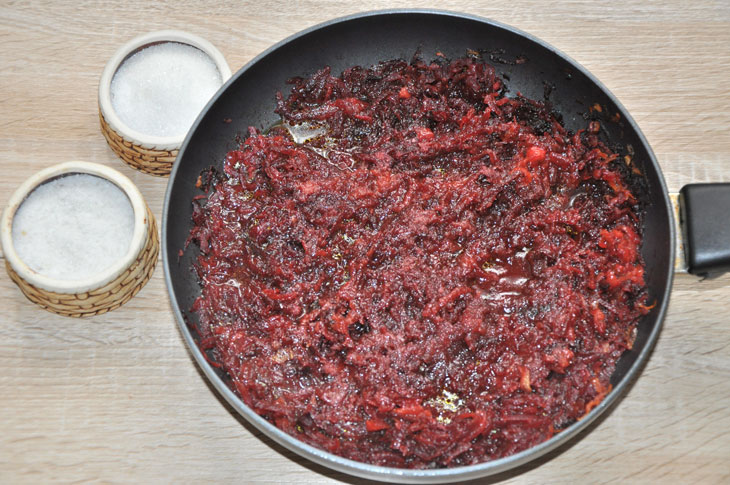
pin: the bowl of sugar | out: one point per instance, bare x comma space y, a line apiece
152, 90
79, 239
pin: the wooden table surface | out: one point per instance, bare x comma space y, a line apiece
117, 398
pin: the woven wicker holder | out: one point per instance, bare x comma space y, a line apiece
147, 153
101, 300
153, 162
99, 293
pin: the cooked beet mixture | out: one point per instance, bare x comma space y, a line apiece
445, 276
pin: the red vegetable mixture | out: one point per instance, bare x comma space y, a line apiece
446, 276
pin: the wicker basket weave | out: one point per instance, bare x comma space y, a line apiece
98, 293
150, 154
153, 162
101, 300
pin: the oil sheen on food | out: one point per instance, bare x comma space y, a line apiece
445, 276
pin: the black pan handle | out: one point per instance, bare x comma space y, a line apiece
704, 216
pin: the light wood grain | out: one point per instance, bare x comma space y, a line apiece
117, 398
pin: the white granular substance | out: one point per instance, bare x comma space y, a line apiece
161, 89
73, 227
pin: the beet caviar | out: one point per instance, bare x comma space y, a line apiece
443, 277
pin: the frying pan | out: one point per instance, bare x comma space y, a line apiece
529, 66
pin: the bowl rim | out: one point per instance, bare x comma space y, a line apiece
409, 475
139, 234
161, 36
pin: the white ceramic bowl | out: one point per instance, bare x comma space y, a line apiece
107, 289
142, 151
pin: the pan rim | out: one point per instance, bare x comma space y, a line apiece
405, 475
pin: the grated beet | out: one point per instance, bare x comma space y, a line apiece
447, 276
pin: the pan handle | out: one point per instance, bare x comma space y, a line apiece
704, 219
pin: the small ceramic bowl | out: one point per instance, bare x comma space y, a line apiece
100, 293
147, 153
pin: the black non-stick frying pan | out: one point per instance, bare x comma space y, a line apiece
529, 66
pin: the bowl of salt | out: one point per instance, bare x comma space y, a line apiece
152, 90
79, 239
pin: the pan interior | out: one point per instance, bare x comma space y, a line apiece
529, 67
